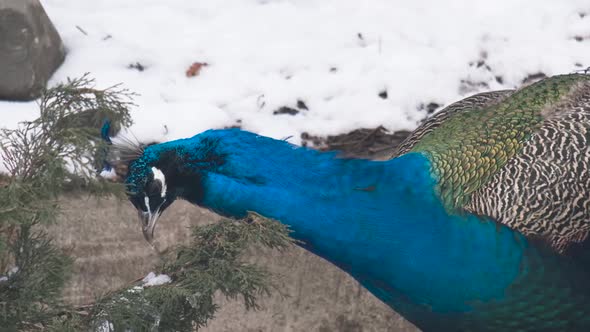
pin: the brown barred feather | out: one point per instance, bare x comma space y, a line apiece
542, 185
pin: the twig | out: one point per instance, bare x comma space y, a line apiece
81, 30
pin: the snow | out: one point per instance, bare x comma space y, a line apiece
110, 174
334, 55
13, 271
135, 289
105, 326
155, 280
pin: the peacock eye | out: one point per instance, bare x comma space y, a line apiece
154, 188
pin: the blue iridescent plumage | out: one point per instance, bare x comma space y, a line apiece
390, 225
381, 221
104, 134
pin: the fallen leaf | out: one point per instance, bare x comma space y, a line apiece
195, 69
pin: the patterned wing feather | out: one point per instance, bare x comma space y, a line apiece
544, 190
522, 158
470, 104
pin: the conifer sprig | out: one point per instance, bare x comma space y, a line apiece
61, 151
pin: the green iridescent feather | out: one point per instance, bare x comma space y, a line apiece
470, 147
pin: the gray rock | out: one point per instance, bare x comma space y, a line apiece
30, 49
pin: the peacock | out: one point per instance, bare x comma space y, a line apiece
479, 221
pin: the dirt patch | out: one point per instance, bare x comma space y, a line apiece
109, 250
376, 143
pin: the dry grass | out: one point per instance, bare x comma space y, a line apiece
105, 239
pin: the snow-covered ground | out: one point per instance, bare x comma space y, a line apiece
336, 56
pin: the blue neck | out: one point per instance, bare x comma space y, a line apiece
380, 221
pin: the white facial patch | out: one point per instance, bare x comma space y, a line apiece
147, 205
158, 175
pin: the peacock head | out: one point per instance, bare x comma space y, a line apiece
161, 173
155, 174
149, 192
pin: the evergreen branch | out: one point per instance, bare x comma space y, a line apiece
60, 152
210, 264
46, 157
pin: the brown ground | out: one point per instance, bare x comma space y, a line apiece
105, 239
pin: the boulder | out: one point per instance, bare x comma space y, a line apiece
30, 49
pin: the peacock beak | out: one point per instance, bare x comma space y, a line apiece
148, 224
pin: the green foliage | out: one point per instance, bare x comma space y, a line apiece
55, 152
44, 158
211, 263
66, 323
60, 152
32, 289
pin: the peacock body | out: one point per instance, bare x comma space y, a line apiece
478, 222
